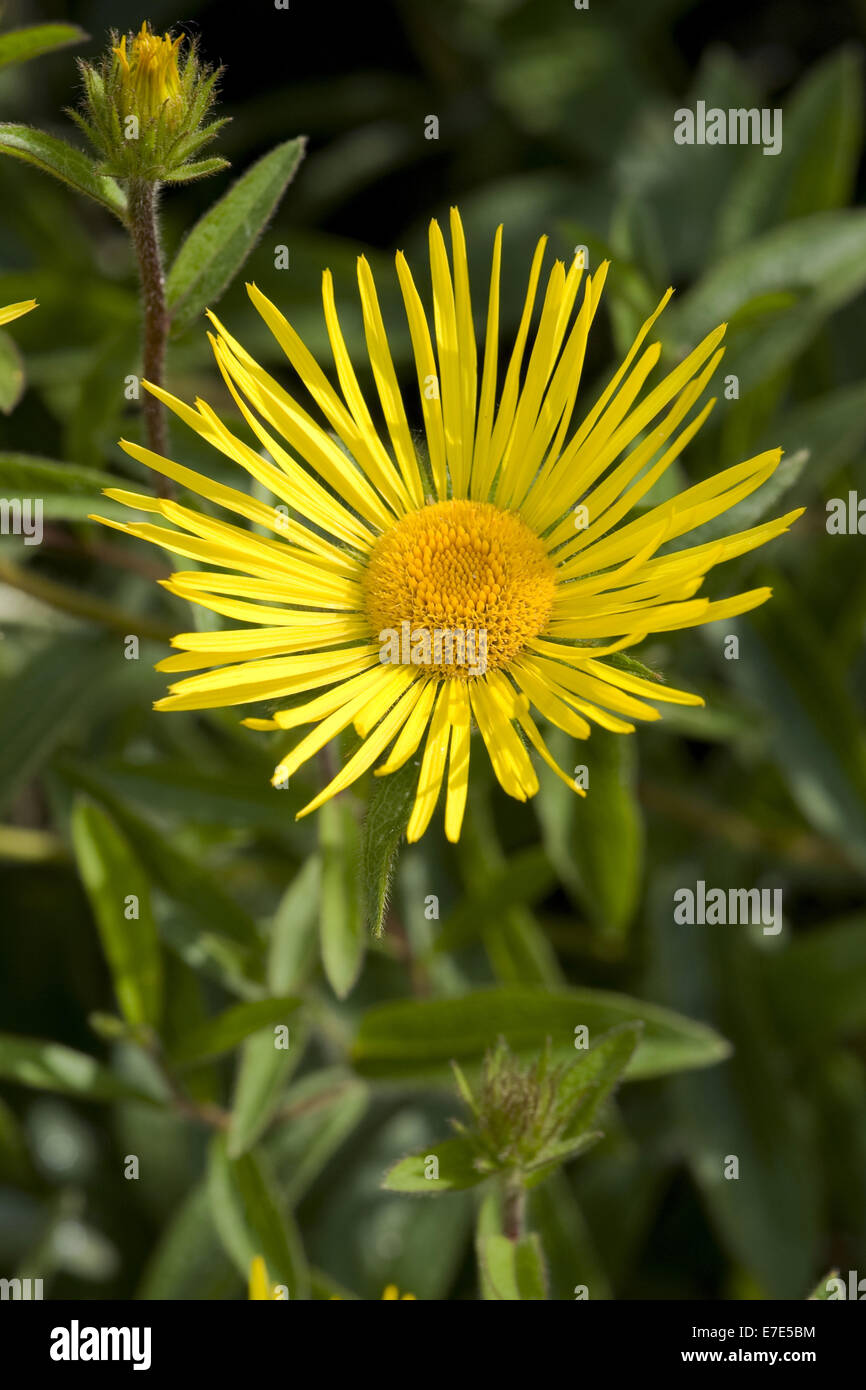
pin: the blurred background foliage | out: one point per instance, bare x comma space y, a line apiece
550, 120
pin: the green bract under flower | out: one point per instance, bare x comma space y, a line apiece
527, 1119
144, 108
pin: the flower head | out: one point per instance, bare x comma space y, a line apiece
144, 108
478, 583
150, 82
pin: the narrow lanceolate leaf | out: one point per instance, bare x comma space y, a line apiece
390, 806
214, 1036
342, 936
596, 842
250, 1220
49, 1066
513, 1269
592, 1078
189, 1260
263, 1070
66, 163
445, 1167
120, 897
40, 701
419, 1038
12, 375
291, 953
210, 916
23, 44
221, 240
321, 1111
67, 492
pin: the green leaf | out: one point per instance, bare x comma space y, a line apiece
189, 1262
596, 842
412, 1039
815, 985
816, 736
12, 375
560, 1153
570, 1253
817, 165
342, 936
823, 257
198, 169
42, 699
388, 811
514, 1269
262, 1073
251, 1222
293, 932
20, 45
456, 1170
830, 429
50, 1066
590, 1081
211, 919
67, 492
215, 1036
117, 888
221, 240
749, 1111
55, 157
321, 1111
526, 877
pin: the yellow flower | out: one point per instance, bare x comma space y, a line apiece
261, 1288
14, 311
514, 535
389, 1294
260, 1285
150, 74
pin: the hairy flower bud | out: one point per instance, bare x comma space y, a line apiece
144, 108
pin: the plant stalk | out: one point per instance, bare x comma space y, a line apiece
143, 195
514, 1209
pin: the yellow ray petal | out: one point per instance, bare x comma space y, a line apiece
448, 351
479, 481
458, 761
432, 767
511, 764
370, 749
412, 732
466, 350
363, 443
428, 377
530, 728
15, 311
547, 702
386, 383
511, 386
392, 680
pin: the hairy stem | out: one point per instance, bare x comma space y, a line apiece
144, 229
514, 1209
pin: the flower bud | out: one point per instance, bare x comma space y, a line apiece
144, 108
